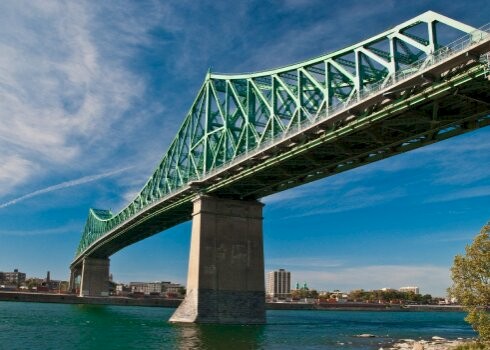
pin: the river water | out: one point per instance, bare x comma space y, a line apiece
61, 326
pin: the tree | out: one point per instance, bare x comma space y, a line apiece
471, 277
64, 286
426, 299
31, 283
358, 295
304, 293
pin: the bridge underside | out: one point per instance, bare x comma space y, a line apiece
419, 116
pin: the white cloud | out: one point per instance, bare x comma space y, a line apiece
329, 200
63, 185
70, 228
60, 91
459, 161
304, 262
430, 279
472, 192
297, 192
463, 235
14, 171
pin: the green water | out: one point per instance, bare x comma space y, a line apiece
60, 326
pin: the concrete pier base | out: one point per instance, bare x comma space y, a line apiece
225, 283
95, 277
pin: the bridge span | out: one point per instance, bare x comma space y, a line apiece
247, 136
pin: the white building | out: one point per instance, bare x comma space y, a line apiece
279, 284
148, 288
410, 289
156, 288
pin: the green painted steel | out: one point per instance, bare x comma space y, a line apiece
233, 116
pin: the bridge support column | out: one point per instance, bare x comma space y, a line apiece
225, 283
95, 277
74, 273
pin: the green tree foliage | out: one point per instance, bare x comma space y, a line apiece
304, 293
31, 283
471, 277
64, 286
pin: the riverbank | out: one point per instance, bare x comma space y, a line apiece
335, 306
173, 303
435, 343
74, 299
363, 307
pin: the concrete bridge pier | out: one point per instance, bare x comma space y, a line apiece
94, 277
74, 273
225, 282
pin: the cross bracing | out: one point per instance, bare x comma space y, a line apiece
259, 133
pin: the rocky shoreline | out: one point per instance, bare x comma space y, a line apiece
436, 343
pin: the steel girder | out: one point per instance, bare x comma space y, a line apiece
235, 116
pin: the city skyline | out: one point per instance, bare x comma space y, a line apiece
267, 280
92, 94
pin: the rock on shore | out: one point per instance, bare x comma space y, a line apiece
436, 343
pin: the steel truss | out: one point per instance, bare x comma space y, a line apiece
250, 135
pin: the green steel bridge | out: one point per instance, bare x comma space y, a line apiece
250, 135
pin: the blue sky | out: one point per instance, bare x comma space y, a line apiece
91, 94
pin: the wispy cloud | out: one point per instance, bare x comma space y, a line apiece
460, 161
472, 192
13, 171
69, 98
429, 278
63, 185
66, 229
298, 192
304, 262
447, 237
335, 200
357, 198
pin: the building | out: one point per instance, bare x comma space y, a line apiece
12, 278
155, 288
122, 290
410, 289
279, 284
146, 288
174, 290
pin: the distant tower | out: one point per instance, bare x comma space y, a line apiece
48, 277
279, 283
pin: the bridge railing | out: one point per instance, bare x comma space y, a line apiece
440, 55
